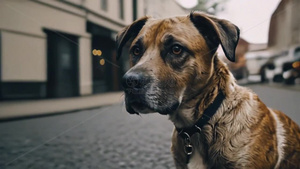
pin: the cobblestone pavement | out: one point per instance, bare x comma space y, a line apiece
105, 138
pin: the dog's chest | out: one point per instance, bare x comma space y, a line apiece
196, 161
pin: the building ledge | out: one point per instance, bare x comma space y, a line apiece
28, 108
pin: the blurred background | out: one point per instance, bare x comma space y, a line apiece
61, 104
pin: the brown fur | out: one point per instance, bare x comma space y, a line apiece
244, 132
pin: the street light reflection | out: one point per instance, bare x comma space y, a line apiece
97, 52
102, 62
296, 65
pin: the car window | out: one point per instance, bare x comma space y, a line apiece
297, 52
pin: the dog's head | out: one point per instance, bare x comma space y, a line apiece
172, 58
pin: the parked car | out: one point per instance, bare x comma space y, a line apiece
274, 65
291, 72
255, 61
289, 56
267, 69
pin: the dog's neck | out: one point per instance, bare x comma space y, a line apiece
191, 111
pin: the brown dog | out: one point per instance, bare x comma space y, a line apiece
218, 124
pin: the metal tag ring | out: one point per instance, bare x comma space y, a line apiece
188, 149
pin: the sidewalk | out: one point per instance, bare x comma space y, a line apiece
26, 108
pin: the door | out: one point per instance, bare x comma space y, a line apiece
62, 71
102, 74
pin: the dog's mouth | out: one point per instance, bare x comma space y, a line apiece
140, 107
150, 100
137, 107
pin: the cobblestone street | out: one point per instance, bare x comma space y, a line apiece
105, 138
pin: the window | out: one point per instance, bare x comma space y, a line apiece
297, 52
0, 57
134, 6
121, 9
104, 5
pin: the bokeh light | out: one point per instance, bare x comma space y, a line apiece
102, 62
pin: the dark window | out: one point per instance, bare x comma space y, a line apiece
297, 52
104, 5
106, 70
22, 90
134, 3
0, 67
62, 64
122, 9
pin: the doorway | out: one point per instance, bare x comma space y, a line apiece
62, 65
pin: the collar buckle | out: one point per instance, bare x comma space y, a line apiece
188, 147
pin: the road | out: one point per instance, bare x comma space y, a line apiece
105, 138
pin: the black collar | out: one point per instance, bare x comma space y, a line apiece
186, 133
207, 114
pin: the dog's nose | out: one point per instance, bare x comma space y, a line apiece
135, 80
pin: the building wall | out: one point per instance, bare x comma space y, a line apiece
85, 64
24, 25
296, 22
113, 10
31, 17
23, 58
284, 28
24, 42
163, 8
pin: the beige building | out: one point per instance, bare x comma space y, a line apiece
66, 48
46, 46
284, 28
162, 8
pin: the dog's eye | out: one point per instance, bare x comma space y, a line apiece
136, 51
176, 49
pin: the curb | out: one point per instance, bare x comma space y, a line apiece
32, 108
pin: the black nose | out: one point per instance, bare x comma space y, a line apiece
135, 80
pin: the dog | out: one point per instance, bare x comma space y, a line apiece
218, 124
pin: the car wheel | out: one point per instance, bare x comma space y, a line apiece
290, 81
278, 78
263, 75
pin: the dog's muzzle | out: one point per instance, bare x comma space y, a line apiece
136, 84
144, 95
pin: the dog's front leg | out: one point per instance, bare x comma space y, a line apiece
177, 151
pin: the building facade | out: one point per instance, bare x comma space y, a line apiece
66, 48
284, 28
46, 47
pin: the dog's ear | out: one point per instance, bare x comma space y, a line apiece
217, 31
128, 33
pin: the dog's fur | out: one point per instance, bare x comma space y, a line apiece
244, 132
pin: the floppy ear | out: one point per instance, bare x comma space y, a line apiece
128, 33
217, 31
